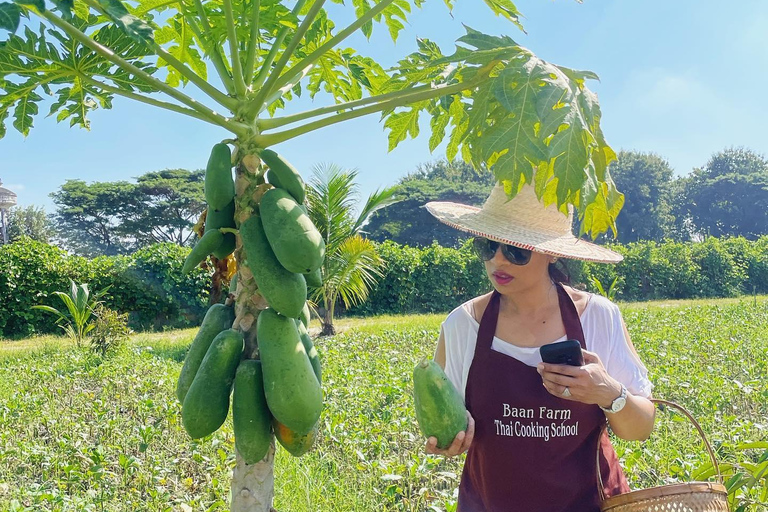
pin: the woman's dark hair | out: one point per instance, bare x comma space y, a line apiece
558, 272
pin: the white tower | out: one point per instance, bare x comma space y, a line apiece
7, 199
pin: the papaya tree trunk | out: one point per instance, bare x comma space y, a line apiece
252, 484
328, 328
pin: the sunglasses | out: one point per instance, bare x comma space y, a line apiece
486, 249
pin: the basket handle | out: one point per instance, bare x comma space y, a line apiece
600, 487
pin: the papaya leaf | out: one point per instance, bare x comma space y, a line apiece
138, 29
65, 7
10, 16
402, 124
182, 46
39, 5
506, 9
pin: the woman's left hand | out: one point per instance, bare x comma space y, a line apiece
589, 384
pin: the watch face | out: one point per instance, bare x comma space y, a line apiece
618, 404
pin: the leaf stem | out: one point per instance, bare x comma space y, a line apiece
234, 53
250, 59
403, 100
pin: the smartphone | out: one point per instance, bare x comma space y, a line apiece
562, 352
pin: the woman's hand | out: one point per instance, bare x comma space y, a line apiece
589, 384
460, 443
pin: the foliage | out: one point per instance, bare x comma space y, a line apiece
76, 320
729, 196
611, 293
117, 217
110, 331
148, 285
29, 221
410, 224
644, 179
77, 435
351, 263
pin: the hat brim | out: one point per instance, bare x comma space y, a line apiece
478, 222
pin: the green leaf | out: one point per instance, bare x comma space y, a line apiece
133, 26
506, 9
65, 7
402, 124
38, 5
10, 16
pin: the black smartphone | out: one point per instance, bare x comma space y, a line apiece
562, 352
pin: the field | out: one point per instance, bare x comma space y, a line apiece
78, 432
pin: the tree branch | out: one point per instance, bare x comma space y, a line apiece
253, 43
278, 137
234, 53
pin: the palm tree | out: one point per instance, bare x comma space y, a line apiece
351, 264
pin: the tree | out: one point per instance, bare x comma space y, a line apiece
729, 196
119, 217
410, 224
351, 264
29, 221
500, 106
644, 179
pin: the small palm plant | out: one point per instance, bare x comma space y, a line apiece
80, 304
351, 264
611, 293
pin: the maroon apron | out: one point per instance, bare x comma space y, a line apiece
532, 451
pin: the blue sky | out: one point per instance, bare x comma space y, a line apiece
680, 78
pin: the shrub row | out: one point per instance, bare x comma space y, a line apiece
439, 279
148, 285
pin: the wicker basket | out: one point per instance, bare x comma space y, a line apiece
690, 497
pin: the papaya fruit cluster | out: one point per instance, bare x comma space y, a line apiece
279, 393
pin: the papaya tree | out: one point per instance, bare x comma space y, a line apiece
500, 107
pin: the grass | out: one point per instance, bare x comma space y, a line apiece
78, 432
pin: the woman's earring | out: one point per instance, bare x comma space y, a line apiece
554, 260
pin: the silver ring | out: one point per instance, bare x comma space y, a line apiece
566, 392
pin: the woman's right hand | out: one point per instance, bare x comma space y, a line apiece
460, 443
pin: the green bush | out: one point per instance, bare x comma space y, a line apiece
110, 330
147, 285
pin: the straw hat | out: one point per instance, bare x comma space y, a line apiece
523, 222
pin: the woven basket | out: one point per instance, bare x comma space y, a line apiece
690, 497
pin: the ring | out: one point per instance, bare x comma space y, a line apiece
566, 392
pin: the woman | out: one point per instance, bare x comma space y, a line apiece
534, 428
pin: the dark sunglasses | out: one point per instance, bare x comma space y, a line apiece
486, 249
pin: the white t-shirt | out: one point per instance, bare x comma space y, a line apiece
603, 330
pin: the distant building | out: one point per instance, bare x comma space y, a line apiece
7, 200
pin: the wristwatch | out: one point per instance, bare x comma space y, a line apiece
618, 403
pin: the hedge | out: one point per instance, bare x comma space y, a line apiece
437, 279
148, 285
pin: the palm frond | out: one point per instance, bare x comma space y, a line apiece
376, 201
353, 269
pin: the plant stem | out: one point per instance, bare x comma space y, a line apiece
346, 32
212, 51
234, 53
274, 75
278, 137
276, 122
253, 43
213, 93
110, 55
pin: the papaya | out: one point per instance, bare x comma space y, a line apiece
224, 218
293, 392
285, 291
218, 318
207, 402
219, 186
440, 410
295, 240
209, 242
283, 175
295, 444
305, 316
309, 348
314, 279
250, 415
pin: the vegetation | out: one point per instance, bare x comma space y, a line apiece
80, 304
29, 221
80, 432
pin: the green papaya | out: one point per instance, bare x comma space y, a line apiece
224, 218
295, 240
440, 409
219, 186
305, 316
207, 402
309, 348
285, 291
209, 242
250, 415
218, 318
283, 175
315, 278
295, 444
290, 385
